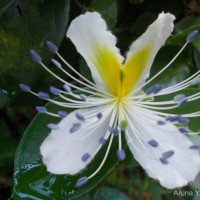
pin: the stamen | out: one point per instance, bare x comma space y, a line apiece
82, 77
183, 120
180, 86
102, 141
164, 161
104, 159
85, 157
41, 109
24, 88
153, 143
75, 127
152, 89
82, 181
53, 126
161, 122
192, 35
113, 130
121, 154
182, 102
195, 147
167, 154
99, 115
52, 47
163, 69
179, 97
55, 90
83, 97
178, 118
101, 92
35, 56
195, 81
62, 114
43, 95
183, 130
173, 118
80, 117
89, 84
159, 88
56, 63
67, 88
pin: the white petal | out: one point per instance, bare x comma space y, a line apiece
62, 151
96, 44
142, 52
182, 167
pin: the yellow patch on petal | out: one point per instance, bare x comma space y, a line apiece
133, 69
120, 81
108, 67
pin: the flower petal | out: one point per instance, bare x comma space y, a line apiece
142, 52
70, 148
161, 149
96, 44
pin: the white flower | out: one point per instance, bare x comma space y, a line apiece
117, 101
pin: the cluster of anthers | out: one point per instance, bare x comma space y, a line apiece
117, 103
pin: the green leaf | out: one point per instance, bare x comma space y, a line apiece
183, 28
31, 180
108, 193
155, 189
108, 9
179, 70
84, 69
28, 25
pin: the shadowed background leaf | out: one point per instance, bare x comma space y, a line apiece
26, 25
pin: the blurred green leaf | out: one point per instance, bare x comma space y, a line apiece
8, 147
180, 69
183, 28
31, 180
155, 189
84, 69
108, 193
108, 9
4, 98
26, 25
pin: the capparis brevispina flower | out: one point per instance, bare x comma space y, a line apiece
117, 101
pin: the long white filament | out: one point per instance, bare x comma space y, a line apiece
161, 71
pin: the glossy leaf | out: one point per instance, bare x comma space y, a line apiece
183, 28
26, 25
31, 180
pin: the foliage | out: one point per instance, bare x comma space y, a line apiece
26, 25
